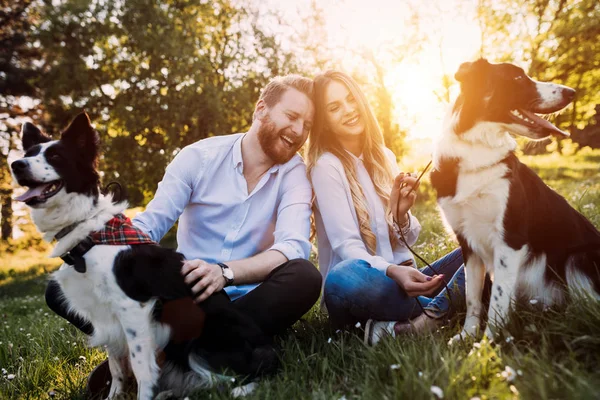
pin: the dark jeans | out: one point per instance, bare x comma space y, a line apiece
283, 298
354, 291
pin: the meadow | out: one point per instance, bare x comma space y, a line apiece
540, 354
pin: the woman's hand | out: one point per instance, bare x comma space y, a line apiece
413, 281
403, 197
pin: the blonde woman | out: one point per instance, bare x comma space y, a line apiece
361, 204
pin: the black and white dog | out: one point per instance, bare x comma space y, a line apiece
117, 287
507, 221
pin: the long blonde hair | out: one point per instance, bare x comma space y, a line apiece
321, 140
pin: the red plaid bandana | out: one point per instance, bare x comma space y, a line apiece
119, 231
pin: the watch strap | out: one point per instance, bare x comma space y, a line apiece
224, 266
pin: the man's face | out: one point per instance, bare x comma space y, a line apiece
285, 126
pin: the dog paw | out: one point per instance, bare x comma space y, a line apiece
243, 391
165, 395
489, 334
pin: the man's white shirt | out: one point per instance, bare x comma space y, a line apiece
219, 220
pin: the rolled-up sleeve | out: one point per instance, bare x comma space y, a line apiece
412, 235
172, 196
292, 228
339, 216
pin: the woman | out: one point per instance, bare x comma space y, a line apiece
362, 214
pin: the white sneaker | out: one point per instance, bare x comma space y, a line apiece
376, 330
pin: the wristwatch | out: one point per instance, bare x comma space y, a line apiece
227, 274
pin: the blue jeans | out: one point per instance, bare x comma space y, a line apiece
356, 292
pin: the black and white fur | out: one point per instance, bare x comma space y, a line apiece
121, 285
508, 222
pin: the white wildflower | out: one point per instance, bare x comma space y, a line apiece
55, 358
420, 374
10, 377
329, 340
509, 374
533, 301
475, 398
82, 358
4, 371
357, 325
437, 391
395, 366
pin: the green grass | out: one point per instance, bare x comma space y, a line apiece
554, 354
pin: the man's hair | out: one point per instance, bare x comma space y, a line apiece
272, 93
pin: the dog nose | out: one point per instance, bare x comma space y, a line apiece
568, 93
18, 166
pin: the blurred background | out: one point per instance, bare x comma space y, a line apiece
155, 76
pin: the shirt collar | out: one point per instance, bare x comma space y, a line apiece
360, 157
237, 152
238, 160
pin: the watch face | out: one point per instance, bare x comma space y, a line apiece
228, 273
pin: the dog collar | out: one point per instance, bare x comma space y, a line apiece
117, 231
66, 230
75, 255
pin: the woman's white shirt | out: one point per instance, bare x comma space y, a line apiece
338, 234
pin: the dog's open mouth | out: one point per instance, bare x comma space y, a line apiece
38, 193
534, 121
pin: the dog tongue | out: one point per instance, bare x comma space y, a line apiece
544, 123
32, 192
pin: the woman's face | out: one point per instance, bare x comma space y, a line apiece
342, 115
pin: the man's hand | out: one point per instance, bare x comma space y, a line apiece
208, 278
413, 281
403, 197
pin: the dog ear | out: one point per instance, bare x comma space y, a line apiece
463, 71
470, 69
31, 136
82, 135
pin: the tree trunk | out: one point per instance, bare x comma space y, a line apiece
6, 216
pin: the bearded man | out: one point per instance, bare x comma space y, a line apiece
244, 205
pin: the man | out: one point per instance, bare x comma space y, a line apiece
244, 204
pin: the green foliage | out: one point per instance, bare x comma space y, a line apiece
155, 76
554, 40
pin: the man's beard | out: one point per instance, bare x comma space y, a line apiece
269, 139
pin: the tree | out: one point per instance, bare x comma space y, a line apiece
555, 40
18, 69
155, 76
